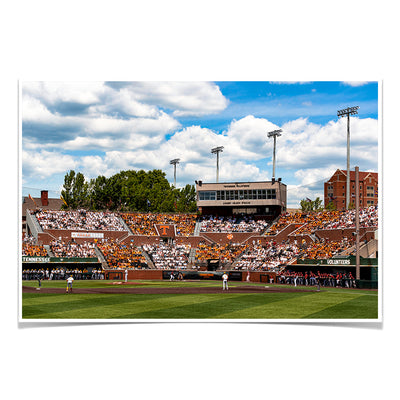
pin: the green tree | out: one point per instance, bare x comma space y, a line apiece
186, 201
331, 206
75, 192
311, 205
317, 204
128, 191
97, 193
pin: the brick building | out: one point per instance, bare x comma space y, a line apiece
335, 189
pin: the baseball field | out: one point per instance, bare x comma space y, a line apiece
144, 300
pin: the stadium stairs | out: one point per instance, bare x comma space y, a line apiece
367, 250
49, 252
284, 233
148, 259
36, 230
197, 228
101, 258
33, 224
192, 256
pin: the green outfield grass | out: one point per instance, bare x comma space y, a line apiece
329, 303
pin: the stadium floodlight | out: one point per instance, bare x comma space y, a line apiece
274, 134
342, 113
217, 150
174, 162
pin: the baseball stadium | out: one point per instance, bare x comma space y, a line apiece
277, 263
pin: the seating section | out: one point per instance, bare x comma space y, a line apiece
313, 221
79, 220
144, 224
225, 253
122, 256
32, 249
259, 258
168, 256
232, 224
72, 249
243, 256
326, 249
285, 220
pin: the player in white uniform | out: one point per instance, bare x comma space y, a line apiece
225, 281
69, 283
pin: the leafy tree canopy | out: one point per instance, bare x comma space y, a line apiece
128, 191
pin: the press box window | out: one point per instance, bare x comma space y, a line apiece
207, 195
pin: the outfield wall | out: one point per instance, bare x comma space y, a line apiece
151, 274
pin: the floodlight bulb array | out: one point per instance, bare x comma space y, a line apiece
348, 111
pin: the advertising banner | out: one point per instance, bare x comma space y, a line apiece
26, 259
87, 235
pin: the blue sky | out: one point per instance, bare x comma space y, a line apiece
100, 128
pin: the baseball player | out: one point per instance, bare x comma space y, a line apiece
126, 275
69, 283
225, 281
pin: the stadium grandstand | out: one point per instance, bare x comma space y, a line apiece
110, 242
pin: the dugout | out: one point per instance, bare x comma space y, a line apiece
343, 265
212, 264
65, 266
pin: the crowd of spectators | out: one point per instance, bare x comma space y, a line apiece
168, 255
78, 220
121, 255
232, 224
144, 223
325, 248
368, 217
72, 249
31, 248
225, 253
268, 257
313, 221
285, 220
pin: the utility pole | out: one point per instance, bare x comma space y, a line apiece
357, 183
274, 134
174, 162
341, 113
217, 150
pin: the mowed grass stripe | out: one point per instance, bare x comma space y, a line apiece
294, 308
171, 307
88, 303
110, 306
35, 299
214, 306
362, 307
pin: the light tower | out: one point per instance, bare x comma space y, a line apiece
274, 134
174, 162
217, 150
341, 113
